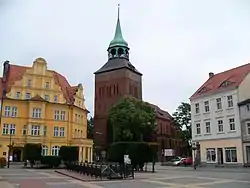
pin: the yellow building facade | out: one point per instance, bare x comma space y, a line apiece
40, 106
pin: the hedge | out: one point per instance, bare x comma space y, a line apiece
51, 161
139, 152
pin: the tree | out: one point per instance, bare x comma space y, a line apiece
182, 119
131, 120
90, 128
182, 116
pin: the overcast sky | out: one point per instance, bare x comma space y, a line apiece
174, 43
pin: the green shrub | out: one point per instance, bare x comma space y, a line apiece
32, 152
51, 161
139, 152
3, 162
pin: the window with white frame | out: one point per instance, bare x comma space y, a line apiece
29, 83
55, 98
18, 95
12, 129
231, 154
198, 128
218, 104
5, 128
63, 114
56, 131
27, 96
44, 130
46, 97
7, 110
206, 105
35, 130
231, 124
220, 125
55, 150
230, 101
208, 128
24, 129
197, 108
61, 132
37, 113
14, 111
45, 150
248, 128
211, 155
47, 85
57, 115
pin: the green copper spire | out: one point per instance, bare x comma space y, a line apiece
118, 39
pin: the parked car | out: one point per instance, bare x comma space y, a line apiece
188, 161
177, 161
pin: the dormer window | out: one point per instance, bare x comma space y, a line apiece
226, 83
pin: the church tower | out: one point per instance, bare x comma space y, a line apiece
115, 79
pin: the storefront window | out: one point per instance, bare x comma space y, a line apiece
211, 155
231, 154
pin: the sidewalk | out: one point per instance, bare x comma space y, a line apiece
204, 168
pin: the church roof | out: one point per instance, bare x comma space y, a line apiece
115, 64
118, 39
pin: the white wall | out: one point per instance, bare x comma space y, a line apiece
244, 89
214, 115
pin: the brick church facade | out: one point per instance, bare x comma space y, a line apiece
116, 79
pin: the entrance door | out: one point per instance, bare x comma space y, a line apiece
248, 154
17, 152
220, 155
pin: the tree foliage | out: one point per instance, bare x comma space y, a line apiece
182, 115
132, 120
182, 119
90, 128
139, 152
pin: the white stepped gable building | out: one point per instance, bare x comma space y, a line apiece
216, 127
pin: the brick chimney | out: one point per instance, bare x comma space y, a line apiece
211, 74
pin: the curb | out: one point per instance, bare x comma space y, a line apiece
76, 178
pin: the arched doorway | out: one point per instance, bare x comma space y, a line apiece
17, 154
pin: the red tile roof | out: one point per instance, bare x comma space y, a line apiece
16, 72
160, 113
222, 81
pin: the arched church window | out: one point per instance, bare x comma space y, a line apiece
113, 52
120, 51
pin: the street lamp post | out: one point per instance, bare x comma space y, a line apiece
10, 147
194, 154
